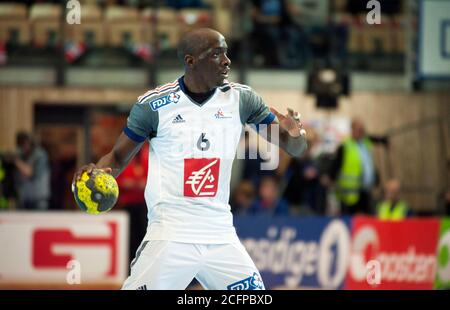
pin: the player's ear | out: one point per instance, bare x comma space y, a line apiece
189, 60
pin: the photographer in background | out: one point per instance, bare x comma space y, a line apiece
32, 175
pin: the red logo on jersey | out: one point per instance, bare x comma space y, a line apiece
201, 177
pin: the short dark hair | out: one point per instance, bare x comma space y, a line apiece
187, 46
194, 42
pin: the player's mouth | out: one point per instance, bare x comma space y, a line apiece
224, 73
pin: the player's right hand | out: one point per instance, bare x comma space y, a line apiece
87, 168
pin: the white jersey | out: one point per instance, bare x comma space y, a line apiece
192, 147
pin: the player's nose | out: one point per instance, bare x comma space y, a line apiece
226, 62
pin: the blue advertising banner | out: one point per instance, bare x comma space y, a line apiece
310, 252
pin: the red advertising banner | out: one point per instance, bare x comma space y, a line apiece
393, 255
63, 248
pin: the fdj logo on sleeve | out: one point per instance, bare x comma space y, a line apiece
251, 283
163, 101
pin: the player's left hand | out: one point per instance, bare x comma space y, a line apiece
290, 122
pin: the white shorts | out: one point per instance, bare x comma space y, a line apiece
168, 265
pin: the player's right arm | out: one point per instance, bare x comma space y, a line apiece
141, 125
116, 160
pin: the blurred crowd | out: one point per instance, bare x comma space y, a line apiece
287, 34
345, 182
318, 183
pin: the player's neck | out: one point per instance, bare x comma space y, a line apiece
194, 84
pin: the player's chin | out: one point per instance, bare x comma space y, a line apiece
222, 80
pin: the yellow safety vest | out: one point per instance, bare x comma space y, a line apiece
350, 175
398, 212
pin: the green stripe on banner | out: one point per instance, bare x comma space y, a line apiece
442, 280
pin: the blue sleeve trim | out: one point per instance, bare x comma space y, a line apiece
130, 134
269, 119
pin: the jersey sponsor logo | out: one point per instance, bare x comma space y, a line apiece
178, 119
220, 114
201, 177
251, 283
163, 101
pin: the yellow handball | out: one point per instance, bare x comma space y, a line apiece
97, 192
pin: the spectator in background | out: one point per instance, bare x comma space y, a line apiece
243, 198
309, 12
269, 201
276, 26
132, 182
304, 189
392, 207
32, 178
267, 18
308, 22
353, 172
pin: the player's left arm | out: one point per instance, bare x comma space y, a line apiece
292, 136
